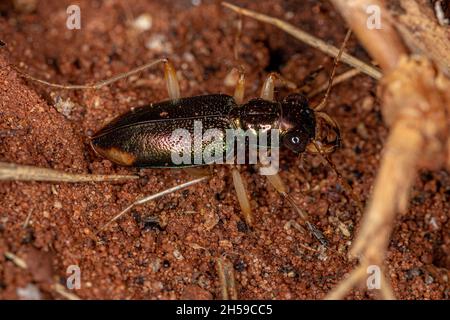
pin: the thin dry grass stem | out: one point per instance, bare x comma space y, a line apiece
16, 260
227, 280
27, 219
15, 172
308, 39
338, 79
153, 197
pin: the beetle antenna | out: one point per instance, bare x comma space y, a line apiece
324, 101
341, 179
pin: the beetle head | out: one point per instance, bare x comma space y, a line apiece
297, 123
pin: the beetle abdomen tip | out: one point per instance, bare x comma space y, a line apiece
116, 155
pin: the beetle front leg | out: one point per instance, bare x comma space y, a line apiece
277, 183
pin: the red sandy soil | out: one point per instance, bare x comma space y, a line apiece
174, 257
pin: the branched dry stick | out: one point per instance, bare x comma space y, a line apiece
15, 172
421, 32
416, 99
416, 105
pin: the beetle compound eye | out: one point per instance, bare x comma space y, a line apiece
296, 141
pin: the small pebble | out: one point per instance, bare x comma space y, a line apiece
367, 103
231, 78
177, 254
143, 23
159, 44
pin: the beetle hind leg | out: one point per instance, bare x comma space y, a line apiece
154, 197
173, 86
242, 196
98, 84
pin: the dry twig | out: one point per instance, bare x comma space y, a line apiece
15, 172
227, 281
416, 105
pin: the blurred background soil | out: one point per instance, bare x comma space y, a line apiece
167, 249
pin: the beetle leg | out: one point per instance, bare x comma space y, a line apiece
277, 183
173, 87
242, 195
153, 197
239, 91
227, 280
97, 85
268, 87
